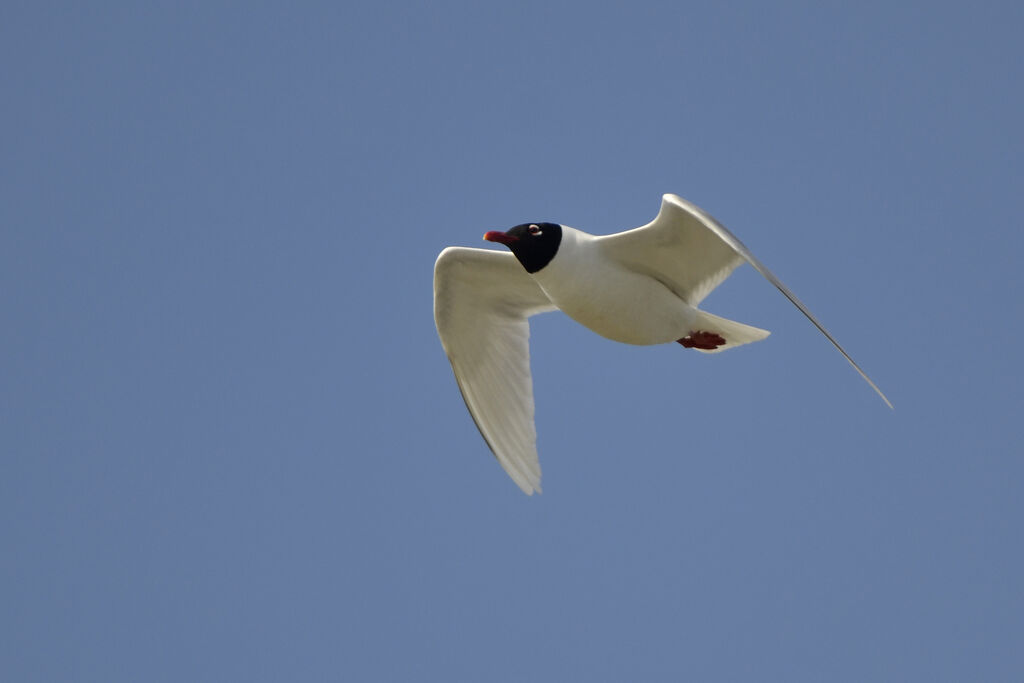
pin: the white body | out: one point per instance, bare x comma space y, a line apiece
610, 299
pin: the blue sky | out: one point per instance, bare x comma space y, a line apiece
231, 447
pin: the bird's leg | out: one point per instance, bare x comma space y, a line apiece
706, 341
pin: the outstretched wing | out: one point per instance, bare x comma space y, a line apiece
692, 253
482, 300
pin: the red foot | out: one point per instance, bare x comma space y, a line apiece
706, 341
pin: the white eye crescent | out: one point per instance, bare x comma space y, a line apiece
535, 230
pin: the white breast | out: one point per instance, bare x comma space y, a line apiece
620, 304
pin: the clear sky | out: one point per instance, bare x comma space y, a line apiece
231, 447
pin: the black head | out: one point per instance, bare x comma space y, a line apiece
534, 244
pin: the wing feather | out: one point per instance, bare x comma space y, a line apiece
482, 302
678, 249
692, 253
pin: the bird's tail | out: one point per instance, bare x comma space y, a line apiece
734, 333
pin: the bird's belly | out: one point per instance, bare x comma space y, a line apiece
629, 308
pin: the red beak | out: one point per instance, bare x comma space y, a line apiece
495, 236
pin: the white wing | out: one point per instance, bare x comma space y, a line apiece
482, 300
678, 249
688, 250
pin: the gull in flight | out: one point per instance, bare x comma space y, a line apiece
641, 286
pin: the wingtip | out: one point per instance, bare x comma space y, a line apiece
864, 375
529, 488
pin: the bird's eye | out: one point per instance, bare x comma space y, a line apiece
534, 230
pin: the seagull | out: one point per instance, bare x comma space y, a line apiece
641, 286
